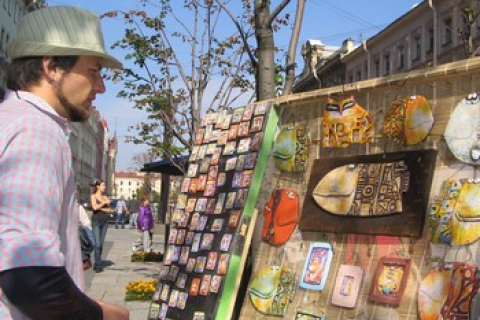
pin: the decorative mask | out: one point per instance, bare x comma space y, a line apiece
272, 289
454, 216
409, 120
346, 122
365, 189
291, 149
447, 291
462, 132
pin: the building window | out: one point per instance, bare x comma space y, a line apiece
386, 59
447, 39
400, 57
358, 75
418, 47
5, 4
377, 68
431, 38
121, 183
129, 183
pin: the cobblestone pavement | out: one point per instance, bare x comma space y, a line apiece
109, 285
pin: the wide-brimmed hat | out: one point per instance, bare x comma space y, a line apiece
60, 31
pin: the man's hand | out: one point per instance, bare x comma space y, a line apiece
113, 312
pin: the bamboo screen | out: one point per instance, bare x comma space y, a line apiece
444, 87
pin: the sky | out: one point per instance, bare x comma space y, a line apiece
330, 21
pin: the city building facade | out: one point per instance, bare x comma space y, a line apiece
111, 165
10, 13
431, 33
83, 142
128, 182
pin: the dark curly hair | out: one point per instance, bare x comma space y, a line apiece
25, 72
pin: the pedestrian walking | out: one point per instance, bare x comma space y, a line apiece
145, 223
122, 211
53, 78
133, 206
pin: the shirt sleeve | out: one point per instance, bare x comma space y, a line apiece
48, 293
83, 218
34, 152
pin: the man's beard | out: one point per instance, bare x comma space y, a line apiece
74, 114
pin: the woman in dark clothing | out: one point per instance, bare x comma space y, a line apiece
100, 216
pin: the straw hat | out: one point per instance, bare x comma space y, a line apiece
60, 31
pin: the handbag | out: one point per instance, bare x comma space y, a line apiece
447, 292
346, 122
408, 121
365, 189
272, 290
291, 149
281, 215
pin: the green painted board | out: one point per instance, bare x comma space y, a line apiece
238, 258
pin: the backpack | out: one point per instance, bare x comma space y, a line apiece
281, 214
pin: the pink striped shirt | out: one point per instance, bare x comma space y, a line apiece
38, 212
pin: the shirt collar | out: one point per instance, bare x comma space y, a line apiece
41, 104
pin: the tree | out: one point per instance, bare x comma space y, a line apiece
174, 91
140, 159
171, 89
265, 22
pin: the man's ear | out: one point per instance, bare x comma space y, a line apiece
51, 73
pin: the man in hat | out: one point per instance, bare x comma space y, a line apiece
53, 78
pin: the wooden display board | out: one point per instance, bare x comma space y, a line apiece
214, 216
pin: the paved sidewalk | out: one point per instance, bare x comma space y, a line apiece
109, 285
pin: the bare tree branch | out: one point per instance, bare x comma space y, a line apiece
292, 49
242, 33
277, 11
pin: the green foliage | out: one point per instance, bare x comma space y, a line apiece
158, 78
